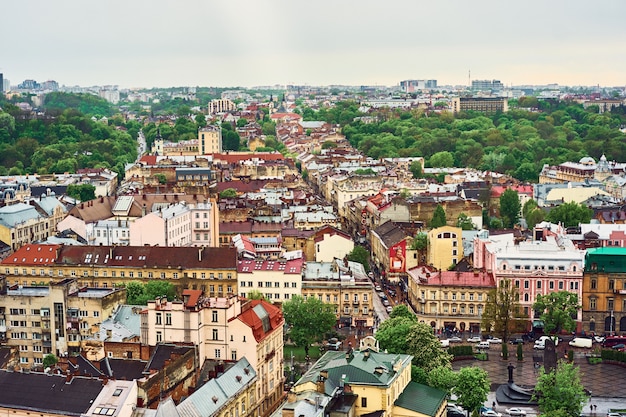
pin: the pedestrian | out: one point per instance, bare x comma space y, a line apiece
493, 405
595, 408
590, 408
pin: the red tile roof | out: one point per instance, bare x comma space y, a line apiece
194, 296
31, 255
293, 266
250, 317
497, 190
239, 157
431, 277
148, 159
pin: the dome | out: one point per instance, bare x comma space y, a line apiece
587, 160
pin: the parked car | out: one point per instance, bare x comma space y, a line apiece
483, 345
517, 341
455, 411
389, 309
515, 412
445, 343
619, 346
455, 407
386, 302
539, 345
455, 339
474, 339
495, 340
491, 413
332, 344
598, 339
581, 342
377, 288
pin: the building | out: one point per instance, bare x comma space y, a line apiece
367, 382
480, 104
222, 105
537, 267
331, 243
604, 291
209, 140
169, 226
117, 398
21, 224
449, 300
211, 270
278, 280
445, 247
231, 393
224, 329
54, 318
487, 85
345, 285
582, 171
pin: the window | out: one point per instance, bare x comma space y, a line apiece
233, 356
214, 316
215, 335
96, 314
539, 284
551, 285
218, 353
168, 319
158, 318
594, 284
23, 360
611, 284
609, 304
560, 285
526, 284
363, 401
592, 303
159, 337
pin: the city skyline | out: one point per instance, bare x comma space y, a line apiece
246, 43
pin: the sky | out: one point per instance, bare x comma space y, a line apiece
228, 43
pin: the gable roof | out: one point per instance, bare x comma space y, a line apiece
33, 255
47, 393
262, 317
421, 399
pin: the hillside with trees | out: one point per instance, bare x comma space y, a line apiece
518, 142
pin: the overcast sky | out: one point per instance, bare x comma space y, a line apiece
164, 43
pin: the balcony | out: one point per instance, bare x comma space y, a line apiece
270, 355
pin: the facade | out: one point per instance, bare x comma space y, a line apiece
480, 104
278, 280
604, 291
54, 318
224, 329
534, 267
331, 243
222, 105
449, 300
211, 270
21, 224
584, 170
345, 285
209, 140
169, 226
445, 247
118, 398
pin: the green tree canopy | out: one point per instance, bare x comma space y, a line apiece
228, 193
443, 378
393, 333
472, 387
82, 192
558, 311
401, 310
426, 348
50, 360
560, 390
416, 169
510, 208
439, 217
309, 320
361, 255
464, 222
570, 214
503, 314
138, 293
443, 159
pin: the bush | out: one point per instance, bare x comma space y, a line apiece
520, 352
613, 355
505, 351
594, 361
461, 351
570, 355
481, 356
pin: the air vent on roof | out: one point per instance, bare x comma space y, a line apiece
214, 399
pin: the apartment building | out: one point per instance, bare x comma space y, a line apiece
224, 329
209, 140
211, 270
53, 318
278, 280
445, 247
21, 224
449, 300
480, 104
604, 291
345, 285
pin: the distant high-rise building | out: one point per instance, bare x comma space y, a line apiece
209, 140
29, 85
1, 83
409, 86
487, 85
480, 104
50, 85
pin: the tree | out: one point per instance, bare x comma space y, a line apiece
416, 169
560, 390
160, 177
443, 159
361, 255
228, 193
464, 222
570, 214
426, 348
241, 122
472, 387
558, 311
50, 360
509, 208
138, 293
439, 217
443, 378
82, 192
420, 244
393, 333
401, 310
532, 213
502, 314
309, 319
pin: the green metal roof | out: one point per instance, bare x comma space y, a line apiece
421, 399
606, 259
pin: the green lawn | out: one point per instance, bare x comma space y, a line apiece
298, 353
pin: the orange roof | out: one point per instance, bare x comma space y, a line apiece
238, 157
273, 314
194, 296
33, 254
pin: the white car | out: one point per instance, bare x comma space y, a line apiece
491, 413
515, 412
474, 339
495, 340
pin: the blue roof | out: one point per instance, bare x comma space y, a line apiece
15, 214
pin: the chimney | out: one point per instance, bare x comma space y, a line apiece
200, 254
